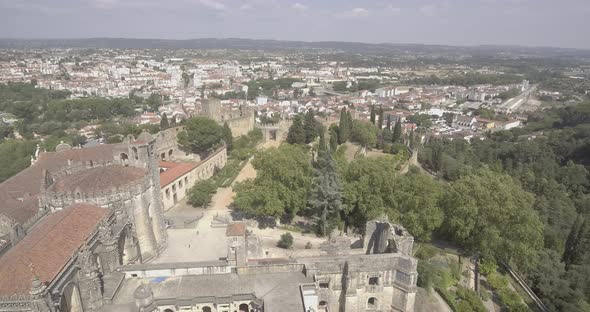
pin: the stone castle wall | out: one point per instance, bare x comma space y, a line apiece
241, 125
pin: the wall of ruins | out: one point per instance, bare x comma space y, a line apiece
241, 125
177, 190
167, 146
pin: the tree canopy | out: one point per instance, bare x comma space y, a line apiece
200, 136
281, 187
490, 215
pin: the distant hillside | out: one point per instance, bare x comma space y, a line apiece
251, 44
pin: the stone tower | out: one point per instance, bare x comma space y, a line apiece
147, 207
212, 109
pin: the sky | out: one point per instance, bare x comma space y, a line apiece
555, 23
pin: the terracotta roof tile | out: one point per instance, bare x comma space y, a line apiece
175, 171
48, 247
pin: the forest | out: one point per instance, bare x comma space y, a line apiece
518, 197
549, 160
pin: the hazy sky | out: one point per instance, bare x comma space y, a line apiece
559, 23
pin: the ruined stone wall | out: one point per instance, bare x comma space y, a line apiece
241, 125
182, 184
167, 147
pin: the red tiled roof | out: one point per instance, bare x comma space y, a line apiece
48, 247
99, 179
175, 171
236, 229
29, 180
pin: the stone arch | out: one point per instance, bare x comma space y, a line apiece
70, 300
170, 152
135, 154
206, 309
163, 156
124, 159
244, 307
98, 262
128, 248
168, 310
323, 304
372, 303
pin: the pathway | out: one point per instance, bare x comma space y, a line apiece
203, 242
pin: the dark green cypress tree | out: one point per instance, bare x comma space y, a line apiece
227, 136
397, 133
578, 242
309, 124
389, 122
344, 127
333, 137
380, 123
164, 122
296, 133
373, 114
325, 200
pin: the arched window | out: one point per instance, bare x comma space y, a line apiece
372, 303
170, 152
135, 155
373, 281
124, 159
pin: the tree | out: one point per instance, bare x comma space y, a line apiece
364, 133
416, 204
297, 132
201, 193
164, 122
397, 133
15, 156
344, 127
154, 102
490, 215
368, 185
286, 241
227, 136
333, 137
325, 201
200, 136
577, 248
381, 115
373, 114
310, 127
281, 187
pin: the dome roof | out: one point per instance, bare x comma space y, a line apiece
98, 179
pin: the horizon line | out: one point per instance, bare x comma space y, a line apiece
300, 41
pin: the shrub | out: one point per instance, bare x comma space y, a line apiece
469, 300
487, 266
201, 193
286, 241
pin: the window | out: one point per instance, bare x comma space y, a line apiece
373, 281
324, 285
372, 303
168, 193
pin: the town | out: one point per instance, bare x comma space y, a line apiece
293, 179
